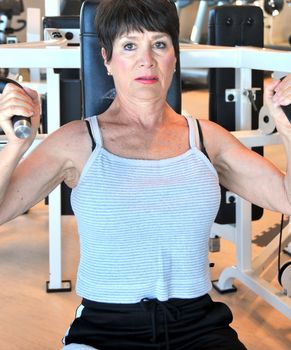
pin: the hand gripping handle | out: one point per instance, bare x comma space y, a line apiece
287, 109
21, 125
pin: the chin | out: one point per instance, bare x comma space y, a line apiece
152, 92
147, 96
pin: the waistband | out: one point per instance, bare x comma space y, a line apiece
178, 302
170, 310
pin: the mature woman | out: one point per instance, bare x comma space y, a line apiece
144, 194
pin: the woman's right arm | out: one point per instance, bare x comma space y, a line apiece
15, 101
26, 181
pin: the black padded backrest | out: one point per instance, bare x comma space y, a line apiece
96, 84
234, 26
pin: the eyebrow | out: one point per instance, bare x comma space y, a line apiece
156, 36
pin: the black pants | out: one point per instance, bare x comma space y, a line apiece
177, 324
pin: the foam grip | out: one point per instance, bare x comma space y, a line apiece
21, 124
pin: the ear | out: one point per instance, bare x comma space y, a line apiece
175, 64
104, 56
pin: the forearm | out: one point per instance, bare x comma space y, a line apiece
10, 156
276, 94
287, 178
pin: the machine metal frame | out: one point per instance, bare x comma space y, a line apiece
56, 54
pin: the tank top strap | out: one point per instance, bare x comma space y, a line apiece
95, 130
192, 130
193, 125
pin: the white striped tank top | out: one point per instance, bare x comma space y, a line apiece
144, 225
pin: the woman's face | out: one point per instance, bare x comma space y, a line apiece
142, 65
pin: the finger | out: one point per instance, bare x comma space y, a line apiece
6, 126
13, 91
283, 95
16, 100
285, 99
270, 88
17, 106
11, 87
32, 94
269, 91
284, 85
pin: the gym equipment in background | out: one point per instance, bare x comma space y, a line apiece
234, 26
8, 9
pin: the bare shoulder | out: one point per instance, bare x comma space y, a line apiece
71, 130
68, 148
70, 138
217, 140
209, 127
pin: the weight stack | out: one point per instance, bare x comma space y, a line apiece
234, 26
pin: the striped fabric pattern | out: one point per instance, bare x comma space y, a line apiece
144, 225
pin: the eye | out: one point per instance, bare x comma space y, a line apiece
129, 46
160, 45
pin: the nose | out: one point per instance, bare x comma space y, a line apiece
147, 59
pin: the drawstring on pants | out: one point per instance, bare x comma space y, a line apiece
170, 313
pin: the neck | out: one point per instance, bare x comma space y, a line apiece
147, 114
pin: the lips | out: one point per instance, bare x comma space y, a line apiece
149, 79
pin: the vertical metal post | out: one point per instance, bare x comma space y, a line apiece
198, 24
53, 7
243, 106
53, 113
243, 234
243, 121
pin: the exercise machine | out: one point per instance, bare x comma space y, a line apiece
8, 9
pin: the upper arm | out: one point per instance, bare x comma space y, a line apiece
244, 171
55, 160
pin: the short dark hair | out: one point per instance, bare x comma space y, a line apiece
116, 17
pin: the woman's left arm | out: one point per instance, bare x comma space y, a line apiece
278, 94
245, 172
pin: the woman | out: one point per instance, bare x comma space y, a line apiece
144, 194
